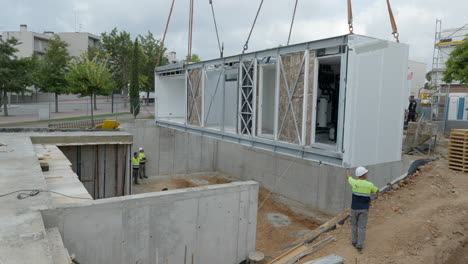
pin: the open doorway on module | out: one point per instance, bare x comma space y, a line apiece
328, 93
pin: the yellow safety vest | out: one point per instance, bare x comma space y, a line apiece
135, 161
362, 187
141, 156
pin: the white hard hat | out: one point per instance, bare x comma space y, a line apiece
361, 171
140, 149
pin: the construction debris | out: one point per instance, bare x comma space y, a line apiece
419, 133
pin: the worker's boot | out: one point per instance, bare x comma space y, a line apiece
146, 177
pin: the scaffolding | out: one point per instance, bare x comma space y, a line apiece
445, 41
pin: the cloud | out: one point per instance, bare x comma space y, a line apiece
314, 20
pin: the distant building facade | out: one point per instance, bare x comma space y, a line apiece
171, 57
79, 42
30, 42
33, 42
416, 77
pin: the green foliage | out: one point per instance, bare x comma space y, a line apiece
429, 76
89, 77
119, 47
99, 52
135, 80
151, 49
52, 68
16, 74
195, 58
457, 65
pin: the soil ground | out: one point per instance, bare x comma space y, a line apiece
423, 220
269, 237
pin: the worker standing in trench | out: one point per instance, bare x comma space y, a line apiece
361, 199
135, 166
143, 160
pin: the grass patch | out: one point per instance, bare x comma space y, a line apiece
62, 119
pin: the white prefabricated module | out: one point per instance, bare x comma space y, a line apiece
338, 100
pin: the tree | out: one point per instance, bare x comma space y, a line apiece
457, 65
195, 58
89, 77
100, 55
151, 49
16, 74
135, 81
119, 46
53, 68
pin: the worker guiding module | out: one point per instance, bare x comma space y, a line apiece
135, 166
362, 190
143, 160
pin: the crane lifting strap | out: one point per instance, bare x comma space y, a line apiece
350, 16
161, 48
393, 23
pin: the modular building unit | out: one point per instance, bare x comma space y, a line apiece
339, 100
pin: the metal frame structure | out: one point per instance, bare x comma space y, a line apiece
247, 97
249, 105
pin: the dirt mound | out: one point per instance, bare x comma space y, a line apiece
422, 220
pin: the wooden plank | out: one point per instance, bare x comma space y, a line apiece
301, 247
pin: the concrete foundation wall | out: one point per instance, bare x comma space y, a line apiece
213, 224
104, 170
318, 185
315, 184
171, 151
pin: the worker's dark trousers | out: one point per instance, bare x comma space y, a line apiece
135, 175
358, 226
412, 117
142, 170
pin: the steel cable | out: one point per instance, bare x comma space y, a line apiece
292, 22
246, 45
216, 28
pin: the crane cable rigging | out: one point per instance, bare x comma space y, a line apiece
390, 13
221, 48
350, 17
161, 48
246, 45
189, 56
393, 23
292, 22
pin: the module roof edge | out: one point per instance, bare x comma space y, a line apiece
183, 65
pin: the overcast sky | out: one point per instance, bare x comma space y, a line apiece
314, 20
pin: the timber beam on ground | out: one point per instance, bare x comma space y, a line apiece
302, 246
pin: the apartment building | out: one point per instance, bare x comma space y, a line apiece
30, 42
